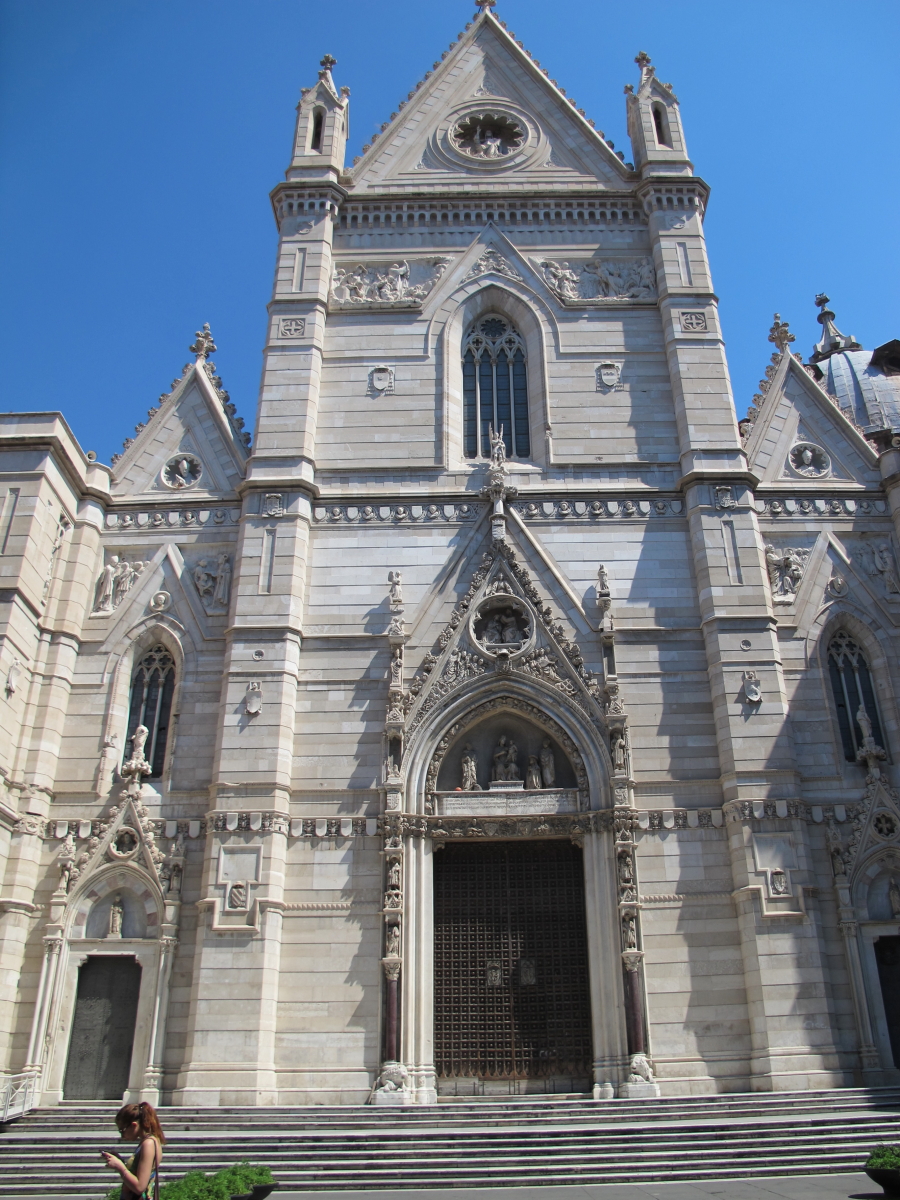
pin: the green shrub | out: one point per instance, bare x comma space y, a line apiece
884, 1158
197, 1185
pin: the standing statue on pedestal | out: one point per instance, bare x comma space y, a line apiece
116, 914
469, 769
533, 779
548, 766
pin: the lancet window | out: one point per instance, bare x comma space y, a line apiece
495, 389
152, 690
851, 683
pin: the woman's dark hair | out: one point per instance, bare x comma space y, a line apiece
147, 1120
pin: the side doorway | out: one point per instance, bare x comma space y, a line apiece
103, 1026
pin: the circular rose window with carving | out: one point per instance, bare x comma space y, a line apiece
885, 825
125, 843
501, 627
488, 134
182, 471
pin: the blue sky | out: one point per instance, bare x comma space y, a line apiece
139, 140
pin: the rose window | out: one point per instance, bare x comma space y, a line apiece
487, 135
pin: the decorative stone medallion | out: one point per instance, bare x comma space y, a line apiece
125, 844
809, 461
182, 471
502, 627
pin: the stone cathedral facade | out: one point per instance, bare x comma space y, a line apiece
506, 717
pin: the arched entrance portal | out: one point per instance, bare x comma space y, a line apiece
511, 990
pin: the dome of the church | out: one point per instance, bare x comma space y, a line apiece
866, 384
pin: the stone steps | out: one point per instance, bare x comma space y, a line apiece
54, 1152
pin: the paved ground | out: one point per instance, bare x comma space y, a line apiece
793, 1187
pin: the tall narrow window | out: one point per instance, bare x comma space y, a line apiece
661, 123
851, 684
152, 689
317, 128
495, 389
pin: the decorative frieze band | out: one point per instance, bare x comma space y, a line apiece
362, 514
171, 518
295, 827
818, 506
561, 509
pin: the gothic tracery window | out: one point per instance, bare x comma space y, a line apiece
495, 388
152, 689
851, 684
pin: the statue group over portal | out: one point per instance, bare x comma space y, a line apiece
540, 772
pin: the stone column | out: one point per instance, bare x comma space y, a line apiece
151, 1089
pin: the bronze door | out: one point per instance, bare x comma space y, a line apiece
511, 995
887, 955
103, 1029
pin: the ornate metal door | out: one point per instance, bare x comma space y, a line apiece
511, 994
103, 1029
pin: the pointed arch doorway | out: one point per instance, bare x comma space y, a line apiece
512, 1011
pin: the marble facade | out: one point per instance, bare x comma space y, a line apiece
359, 612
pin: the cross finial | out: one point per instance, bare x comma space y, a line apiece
328, 62
204, 344
780, 334
643, 60
485, 5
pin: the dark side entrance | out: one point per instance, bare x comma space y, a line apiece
511, 994
103, 1028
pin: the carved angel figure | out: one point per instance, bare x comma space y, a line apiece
561, 279
469, 766
204, 580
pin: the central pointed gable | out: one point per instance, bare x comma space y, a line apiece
488, 77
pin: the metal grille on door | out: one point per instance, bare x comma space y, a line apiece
511, 977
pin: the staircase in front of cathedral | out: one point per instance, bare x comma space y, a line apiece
513, 1142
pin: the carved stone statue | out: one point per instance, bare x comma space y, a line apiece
253, 698
397, 667
395, 579
204, 580
393, 875
512, 762
602, 581
894, 897
498, 774
629, 932
392, 942
66, 857
469, 769
106, 586
498, 448
619, 746
641, 1071
548, 766
533, 780
394, 1077
863, 721
116, 914
223, 581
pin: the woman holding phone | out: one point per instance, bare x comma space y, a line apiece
138, 1123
